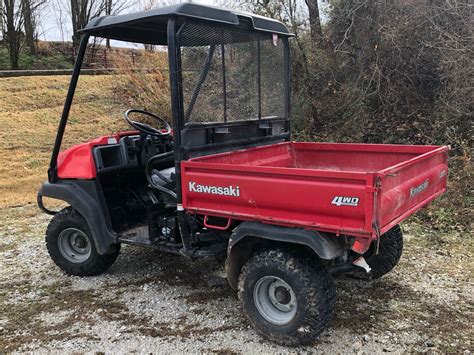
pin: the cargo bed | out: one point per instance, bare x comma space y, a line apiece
351, 189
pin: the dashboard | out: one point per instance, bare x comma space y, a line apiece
129, 152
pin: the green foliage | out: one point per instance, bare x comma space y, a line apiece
49, 60
393, 72
4, 61
56, 61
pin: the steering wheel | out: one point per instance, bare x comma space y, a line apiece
147, 129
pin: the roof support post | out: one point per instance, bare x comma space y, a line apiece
287, 80
259, 80
176, 106
174, 58
224, 80
52, 171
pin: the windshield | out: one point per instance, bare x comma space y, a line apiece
231, 74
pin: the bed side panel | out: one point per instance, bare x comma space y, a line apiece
337, 204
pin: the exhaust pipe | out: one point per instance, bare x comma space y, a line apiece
357, 264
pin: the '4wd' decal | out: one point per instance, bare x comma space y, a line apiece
345, 201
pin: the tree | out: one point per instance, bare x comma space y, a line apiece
60, 15
315, 23
1, 21
82, 11
114, 7
13, 23
27, 8
146, 5
108, 11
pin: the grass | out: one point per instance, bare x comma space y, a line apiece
31, 108
26, 61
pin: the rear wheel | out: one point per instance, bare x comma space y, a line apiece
390, 251
289, 298
70, 245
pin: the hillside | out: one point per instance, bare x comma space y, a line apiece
413, 309
31, 108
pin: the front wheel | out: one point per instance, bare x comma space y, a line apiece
289, 298
70, 245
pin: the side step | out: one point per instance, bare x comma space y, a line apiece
208, 251
205, 249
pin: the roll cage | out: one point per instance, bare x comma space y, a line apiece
210, 30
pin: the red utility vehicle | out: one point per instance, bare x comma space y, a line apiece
228, 180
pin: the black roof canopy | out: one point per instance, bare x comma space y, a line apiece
151, 26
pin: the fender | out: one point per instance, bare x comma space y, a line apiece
247, 234
83, 196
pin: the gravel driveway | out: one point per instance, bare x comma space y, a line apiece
153, 302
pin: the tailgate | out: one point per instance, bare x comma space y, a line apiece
409, 186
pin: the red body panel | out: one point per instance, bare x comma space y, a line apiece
339, 188
77, 162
